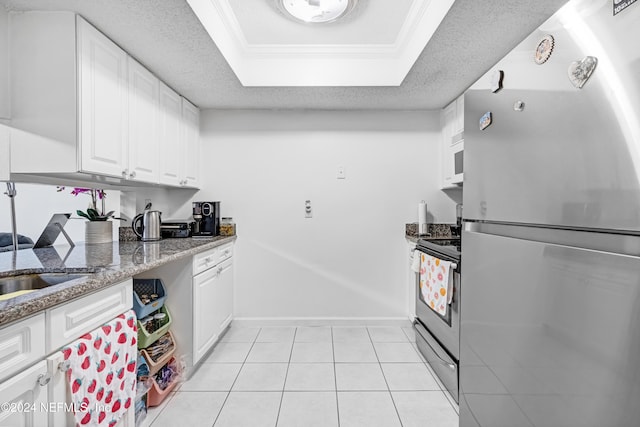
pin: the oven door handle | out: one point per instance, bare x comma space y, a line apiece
444, 362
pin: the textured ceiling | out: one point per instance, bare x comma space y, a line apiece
167, 38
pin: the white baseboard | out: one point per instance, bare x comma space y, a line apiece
321, 321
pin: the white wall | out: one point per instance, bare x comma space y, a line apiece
4, 64
35, 203
349, 260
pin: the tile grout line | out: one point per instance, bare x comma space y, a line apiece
385, 379
335, 376
236, 378
295, 332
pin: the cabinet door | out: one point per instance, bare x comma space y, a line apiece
212, 306
102, 93
171, 145
143, 123
21, 344
448, 119
27, 399
191, 129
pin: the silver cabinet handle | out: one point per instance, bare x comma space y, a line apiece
44, 379
124, 173
132, 174
64, 366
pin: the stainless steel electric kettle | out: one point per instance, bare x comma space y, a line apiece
147, 224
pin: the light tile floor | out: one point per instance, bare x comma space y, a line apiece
310, 376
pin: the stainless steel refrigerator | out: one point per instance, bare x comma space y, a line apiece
550, 315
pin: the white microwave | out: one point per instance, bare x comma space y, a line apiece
457, 149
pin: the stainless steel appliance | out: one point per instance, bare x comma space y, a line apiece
147, 225
437, 336
176, 228
550, 316
206, 217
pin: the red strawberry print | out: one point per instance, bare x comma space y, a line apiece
109, 378
131, 366
113, 423
82, 348
118, 326
85, 404
116, 406
115, 357
122, 384
109, 397
102, 416
106, 329
87, 336
101, 365
66, 352
130, 322
120, 373
76, 385
97, 343
133, 341
122, 338
121, 316
135, 328
107, 348
100, 393
86, 419
92, 386
86, 363
127, 403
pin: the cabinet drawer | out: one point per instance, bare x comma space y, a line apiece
78, 317
21, 344
205, 260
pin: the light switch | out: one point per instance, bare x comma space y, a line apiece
342, 173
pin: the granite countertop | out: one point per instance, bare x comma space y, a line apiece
105, 264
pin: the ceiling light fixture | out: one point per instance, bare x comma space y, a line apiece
316, 11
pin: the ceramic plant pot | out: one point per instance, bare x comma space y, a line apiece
98, 232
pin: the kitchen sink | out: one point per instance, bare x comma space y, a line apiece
30, 282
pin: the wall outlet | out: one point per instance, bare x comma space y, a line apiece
307, 209
341, 173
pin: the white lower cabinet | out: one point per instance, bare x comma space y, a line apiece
38, 394
212, 299
212, 306
24, 398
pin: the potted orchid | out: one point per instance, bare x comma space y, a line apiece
98, 229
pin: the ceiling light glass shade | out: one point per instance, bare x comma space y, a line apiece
316, 11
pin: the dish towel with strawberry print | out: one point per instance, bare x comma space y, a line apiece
436, 283
102, 371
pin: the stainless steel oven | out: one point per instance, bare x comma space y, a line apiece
438, 337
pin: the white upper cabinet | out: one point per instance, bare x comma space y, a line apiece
83, 109
144, 123
191, 132
452, 143
171, 136
103, 98
4, 64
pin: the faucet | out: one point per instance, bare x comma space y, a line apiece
11, 193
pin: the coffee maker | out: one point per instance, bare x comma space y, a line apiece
206, 219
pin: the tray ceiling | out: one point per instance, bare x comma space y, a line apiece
265, 48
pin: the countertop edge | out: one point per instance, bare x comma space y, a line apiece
29, 305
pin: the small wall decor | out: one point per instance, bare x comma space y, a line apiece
485, 120
496, 80
580, 71
518, 106
544, 49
